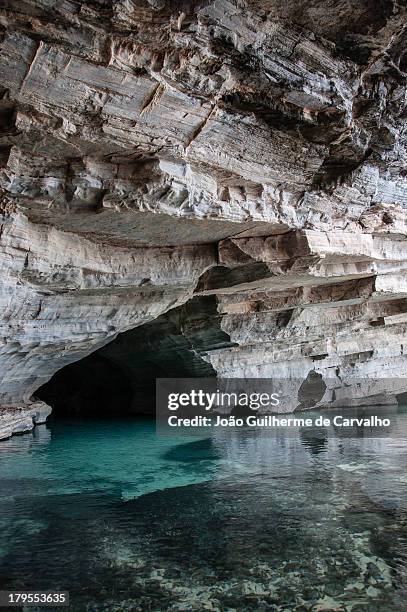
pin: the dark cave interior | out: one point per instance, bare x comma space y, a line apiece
119, 378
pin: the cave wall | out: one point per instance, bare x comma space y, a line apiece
252, 151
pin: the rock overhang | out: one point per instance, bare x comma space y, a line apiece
153, 151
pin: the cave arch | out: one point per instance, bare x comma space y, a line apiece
119, 378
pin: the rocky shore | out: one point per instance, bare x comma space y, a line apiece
18, 420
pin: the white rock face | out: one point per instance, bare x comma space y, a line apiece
254, 152
64, 296
20, 420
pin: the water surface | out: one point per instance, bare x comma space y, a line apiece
126, 520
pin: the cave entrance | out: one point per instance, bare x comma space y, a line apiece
93, 386
119, 378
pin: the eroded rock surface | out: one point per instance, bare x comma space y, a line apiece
250, 151
21, 419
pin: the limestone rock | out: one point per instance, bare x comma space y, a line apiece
250, 153
17, 420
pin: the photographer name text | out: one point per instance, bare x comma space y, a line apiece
276, 421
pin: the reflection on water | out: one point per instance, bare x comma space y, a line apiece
244, 520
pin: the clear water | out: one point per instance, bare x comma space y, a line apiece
243, 521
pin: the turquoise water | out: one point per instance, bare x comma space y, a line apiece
126, 520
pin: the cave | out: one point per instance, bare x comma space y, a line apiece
249, 154
91, 387
119, 378
311, 391
211, 190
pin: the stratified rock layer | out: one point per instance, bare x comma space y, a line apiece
250, 151
18, 420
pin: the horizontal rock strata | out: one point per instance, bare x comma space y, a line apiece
249, 153
18, 420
